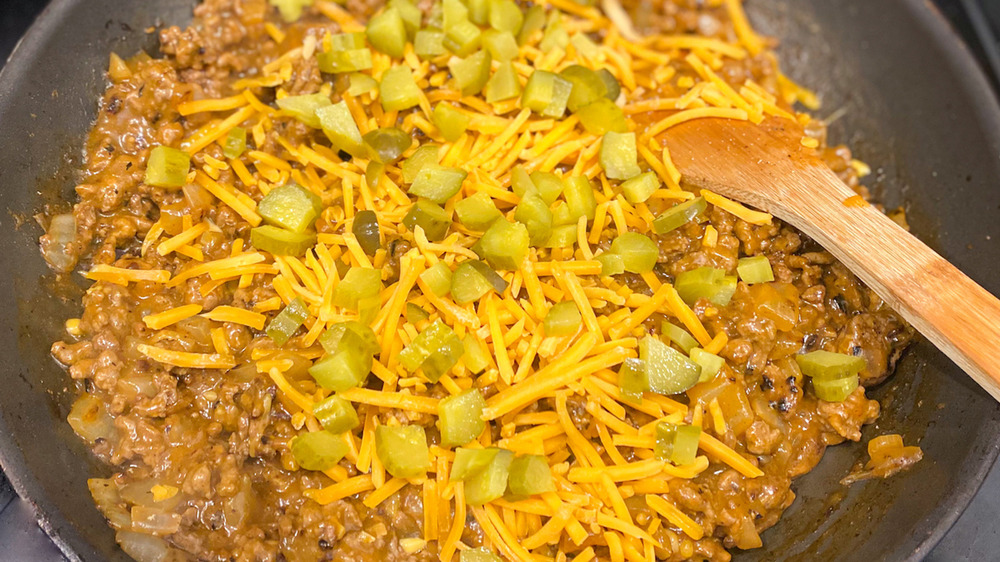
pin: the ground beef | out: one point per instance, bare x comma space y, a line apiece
221, 438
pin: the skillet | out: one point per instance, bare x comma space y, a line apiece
917, 108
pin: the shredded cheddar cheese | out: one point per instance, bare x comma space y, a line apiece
598, 471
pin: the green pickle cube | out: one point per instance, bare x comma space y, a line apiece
318, 450
291, 206
336, 414
403, 450
460, 418
358, 284
677, 443
281, 242
669, 371
530, 475
167, 167
429, 216
637, 251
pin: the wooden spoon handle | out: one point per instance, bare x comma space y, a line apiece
961, 318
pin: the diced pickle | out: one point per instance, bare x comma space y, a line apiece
318, 450
358, 283
491, 276
602, 116
639, 188
365, 229
347, 368
435, 351
504, 84
450, 122
281, 242
755, 270
446, 355
828, 365
535, 215
410, 13
502, 45
835, 390
347, 41
555, 35
462, 38
471, 73
614, 89
438, 278
236, 142
304, 107
477, 356
403, 450
677, 443
563, 319
548, 185
679, 336
534, 20
562, 216
429, 216
340, 62
669, 370
386, 144
479, 11
619, 157
587, 86
468, 284
291, 206
706, 282
546, 93
579, 195
611, 264
414, 314
521, 182
429, 43
637, 251
562, 236
290, 10
491, 482
710, 363
453, 12
167, 167
338, 125
426, 154
477, 212
437, 183
505, 244
387, 32
460, 418
633, 379
336, 414
469, 462
349, 334
506, 15
530, 475
398, 90
284, 325
678, 215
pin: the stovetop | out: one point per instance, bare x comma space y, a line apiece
975, 537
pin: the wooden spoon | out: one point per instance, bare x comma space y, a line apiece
766, 166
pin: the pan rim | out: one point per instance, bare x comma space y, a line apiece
956, 54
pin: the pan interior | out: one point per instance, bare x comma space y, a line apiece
915, 108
